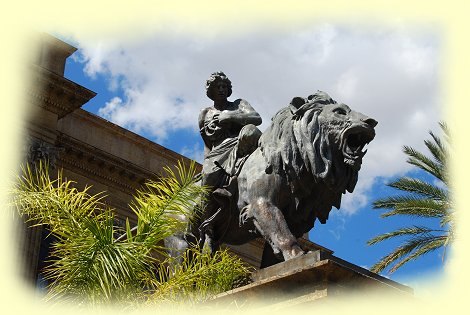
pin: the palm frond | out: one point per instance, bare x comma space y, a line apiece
420, 187
446, 131
412, 206
407, 231
424, 163
89, 264
199, 276
401, 251
53, 202
423, 200
164, 207
437, 149
436, 243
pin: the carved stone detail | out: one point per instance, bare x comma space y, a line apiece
39, 150
55, 93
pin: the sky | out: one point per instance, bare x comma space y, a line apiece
403, 63
154, 84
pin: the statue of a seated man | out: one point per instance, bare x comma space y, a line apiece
230, 135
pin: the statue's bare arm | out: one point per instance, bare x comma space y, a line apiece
201, 121
211, 121
244, 115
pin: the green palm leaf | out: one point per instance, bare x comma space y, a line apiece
412, 206
421, 188
89, 264
421, 199
160, 206
424, 163
200, 276
437, 149
431, 245
415, 230
409, 246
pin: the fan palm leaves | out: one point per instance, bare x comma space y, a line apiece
422, 199
94, 261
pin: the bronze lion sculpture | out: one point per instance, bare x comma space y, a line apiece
306, 160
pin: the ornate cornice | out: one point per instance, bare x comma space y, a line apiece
56, 93
101, 166
166, 154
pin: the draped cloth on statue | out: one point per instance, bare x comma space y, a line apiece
221, 167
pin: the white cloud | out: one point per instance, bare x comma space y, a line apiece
312, 46
110, 107
346, 85
95, 60
390, 75
351, 203
338, 229
416, 59
195, 152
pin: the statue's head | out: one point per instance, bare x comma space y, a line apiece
215, 78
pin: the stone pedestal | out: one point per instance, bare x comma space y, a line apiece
311, 278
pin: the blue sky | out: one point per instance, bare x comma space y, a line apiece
154, 86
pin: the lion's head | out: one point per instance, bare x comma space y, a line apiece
319, 136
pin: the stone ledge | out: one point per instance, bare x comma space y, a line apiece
311, 277
55, 93
293, 266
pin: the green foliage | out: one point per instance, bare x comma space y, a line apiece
94, 261
200, 276
422, 199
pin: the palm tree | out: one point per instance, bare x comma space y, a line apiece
94, 261
423, 200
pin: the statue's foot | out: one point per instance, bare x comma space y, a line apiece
295, 251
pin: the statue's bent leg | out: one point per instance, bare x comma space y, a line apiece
270, 222
248, 140
176, 246
207, 241
210, 215
268, 258
209, 244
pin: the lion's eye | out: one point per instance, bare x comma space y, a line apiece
339, 111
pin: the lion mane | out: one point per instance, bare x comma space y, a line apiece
297, 147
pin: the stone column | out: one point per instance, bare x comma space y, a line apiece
31, 237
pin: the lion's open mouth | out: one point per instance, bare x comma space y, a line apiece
354, 141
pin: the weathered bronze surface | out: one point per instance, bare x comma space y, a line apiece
276, 185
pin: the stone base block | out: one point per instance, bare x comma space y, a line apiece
316, 276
